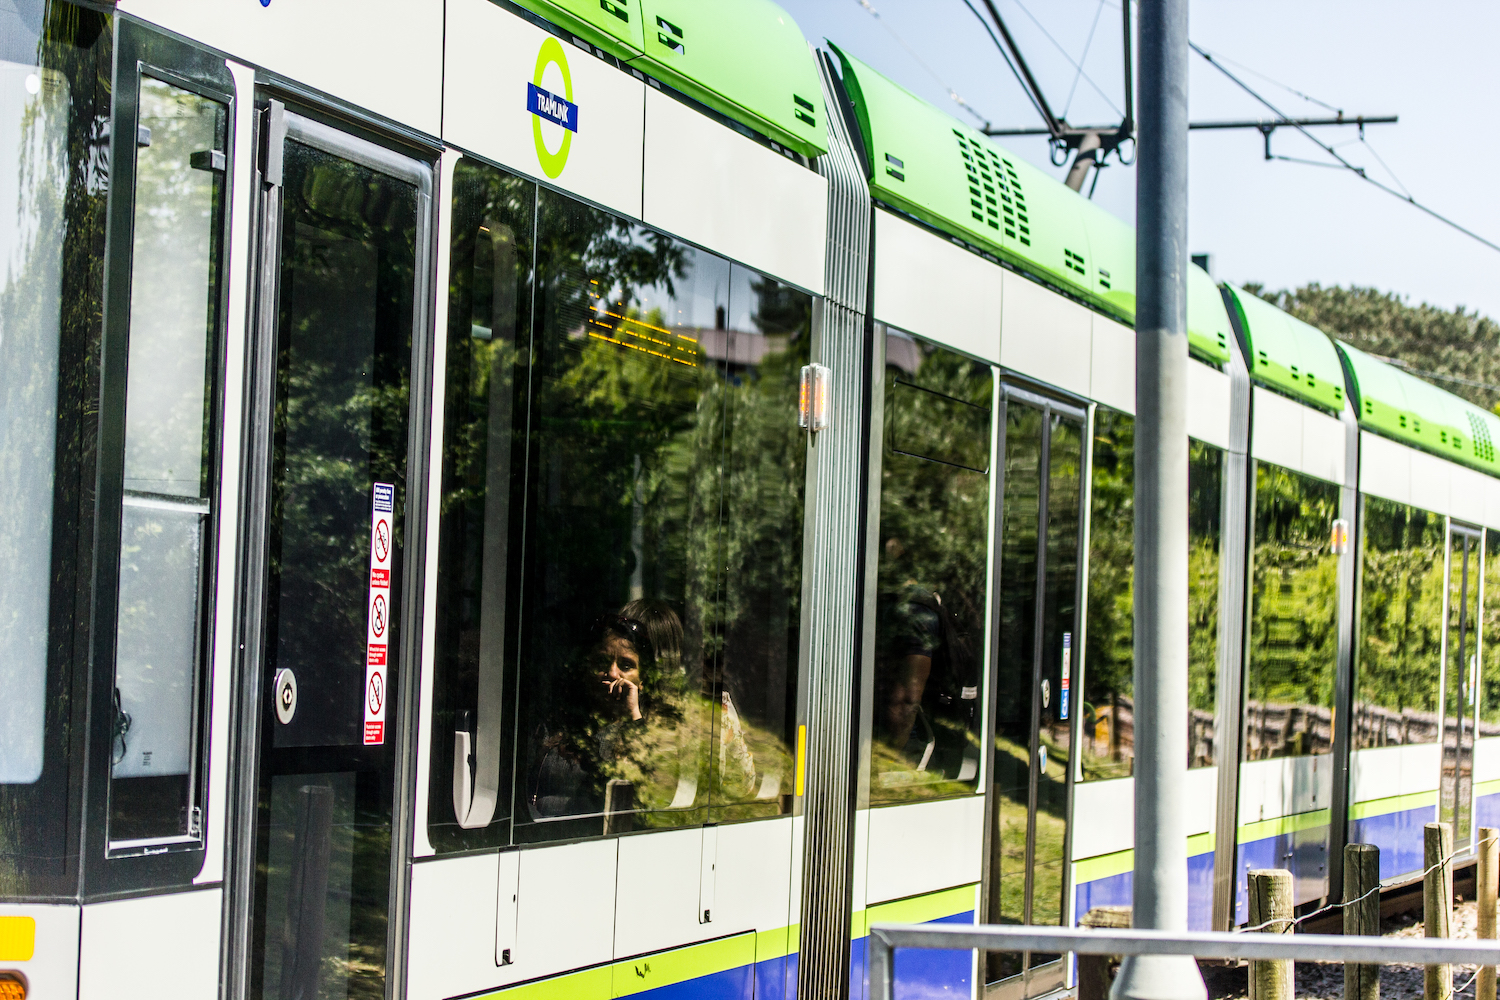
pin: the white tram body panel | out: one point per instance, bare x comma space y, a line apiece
385, 56
490, 52
174, 936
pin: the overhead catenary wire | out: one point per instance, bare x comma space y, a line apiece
952, 94
1289, 89
1358, 171
1076, 65
1015, 71
1083, 58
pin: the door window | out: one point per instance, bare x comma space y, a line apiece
1034, 707
349, 220
1489, 643
1460, 675
932, 573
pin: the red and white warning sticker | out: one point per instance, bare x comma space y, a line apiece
382, 518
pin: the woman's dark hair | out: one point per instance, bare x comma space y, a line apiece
632, 630
663, 631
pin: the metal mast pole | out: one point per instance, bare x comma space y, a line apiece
1161, 515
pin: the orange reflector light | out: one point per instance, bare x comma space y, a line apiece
11, 987
814, 400
1339, 543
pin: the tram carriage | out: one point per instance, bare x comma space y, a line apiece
538, 499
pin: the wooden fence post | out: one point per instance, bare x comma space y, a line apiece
1271, 904
1437, 903
1487, 876
1093, 970
1361, 882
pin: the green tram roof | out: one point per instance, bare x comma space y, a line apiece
745, 59
1399, 405
954, 178
1287, 354
1303, 362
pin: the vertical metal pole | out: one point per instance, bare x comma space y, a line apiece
882, 958
1161, 515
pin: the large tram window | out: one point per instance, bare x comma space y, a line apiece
54, 104
622, 536
1400, 625
932, 599
34, 105
1293, 617
166, 506
1107, 742
622, 522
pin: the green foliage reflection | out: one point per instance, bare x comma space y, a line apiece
1108, 717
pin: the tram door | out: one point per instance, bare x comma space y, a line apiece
342, 262
1456, 791
1040, 543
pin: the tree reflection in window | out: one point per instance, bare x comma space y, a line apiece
1293, 617
1108, 729
642, 418
1400, 625
932, 603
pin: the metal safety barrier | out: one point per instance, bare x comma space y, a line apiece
884, 939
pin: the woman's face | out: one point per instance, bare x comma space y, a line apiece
619, 660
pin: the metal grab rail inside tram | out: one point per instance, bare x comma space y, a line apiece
884, 939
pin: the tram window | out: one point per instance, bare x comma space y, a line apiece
1107, 722
166, 509
932, 598
54, 96
1489, 639
622, 521
489, 344
1400, 625
622, 530
34, 118
1293, 617
753, 678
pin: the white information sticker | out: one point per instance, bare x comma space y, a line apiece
381, 542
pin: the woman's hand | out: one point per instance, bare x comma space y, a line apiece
623, 686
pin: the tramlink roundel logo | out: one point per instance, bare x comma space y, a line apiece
549, 108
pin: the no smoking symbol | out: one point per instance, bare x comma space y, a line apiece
377, 692
382, 540
377, 615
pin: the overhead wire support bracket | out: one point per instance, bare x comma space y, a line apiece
1090, 146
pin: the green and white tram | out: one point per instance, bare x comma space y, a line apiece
551, 500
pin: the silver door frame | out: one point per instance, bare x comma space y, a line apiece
275, 126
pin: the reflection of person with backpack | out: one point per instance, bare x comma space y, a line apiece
928, 675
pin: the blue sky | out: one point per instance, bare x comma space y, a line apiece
1279, 223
